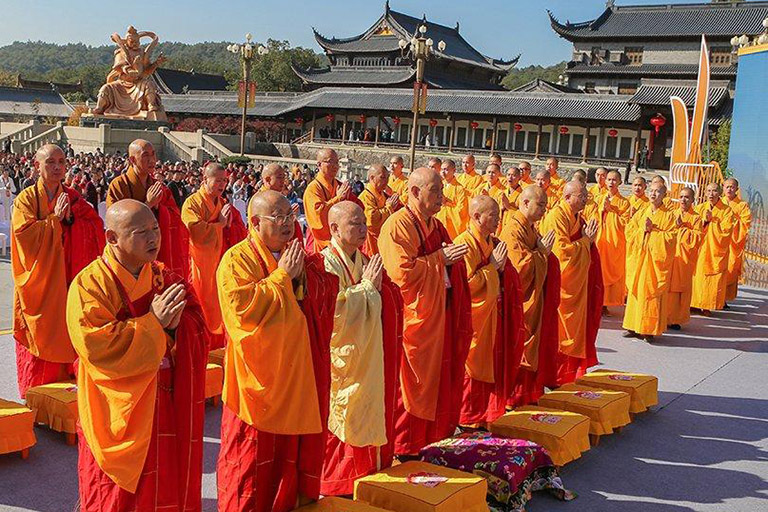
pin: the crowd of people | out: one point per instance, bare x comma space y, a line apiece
405, 309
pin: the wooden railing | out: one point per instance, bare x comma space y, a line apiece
306, 137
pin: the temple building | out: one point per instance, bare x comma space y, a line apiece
374, 58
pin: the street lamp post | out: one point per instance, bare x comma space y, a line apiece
246, 52
419, 49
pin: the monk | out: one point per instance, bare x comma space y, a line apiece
378, 204
590, 209
613, 216
557, 182
497, 317
709, 279
137, 183
54, 234
435, 164
214, 226
398, 181
512, 191
142, 344
661, 181
469, 179
689, 236
742, 219
454, 214
492, 185
529, 254
364, 354
322, 193
525, 170
600, 188
651, 237
273, 177
638, 200
272, 440
573, 247
420, 258
544, 182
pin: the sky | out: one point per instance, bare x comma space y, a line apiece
498, 28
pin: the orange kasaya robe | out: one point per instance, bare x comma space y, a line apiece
140, 393
319, 196
376, 212
454, 214
360, 368
436, 333
272, 440
637, 203
613, 216
399, 185
497, 325
689, 237
557, 183
46, 254
648, 279
495, 190
742, 220
512, 194
597, 192
208, 240
470, 181
174, 248
709, 279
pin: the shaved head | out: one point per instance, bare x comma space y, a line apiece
533, 203
687, 198
212, 169
543, 179
378, 176
215, 179
482, 203
731, 188
46, 151
657, 193
273, 176
346, 221
484, 214
270, 215
328, 163
124, 212
51, 163
132, 233
579, 175
425, 191
265, 202
575, 194
343, 209
142, 156
422, 177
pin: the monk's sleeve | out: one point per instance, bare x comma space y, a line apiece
742, 222
483, 279
374, 215
564, 248
398, 254
114, 193
36, 241
201, 232
316, 207
690, 234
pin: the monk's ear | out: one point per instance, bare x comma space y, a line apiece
111, 237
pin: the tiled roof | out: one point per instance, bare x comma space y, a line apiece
356, 75
724, 19
177, 82
541, 85
644, 70
658, 92
32, 102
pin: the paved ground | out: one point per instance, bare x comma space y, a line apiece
704, 448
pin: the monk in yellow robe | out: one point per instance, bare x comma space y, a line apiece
274, 177
378, 206
323, 192
512, 192
651, 237
422, 261
573, 245
638, 200
398, 181
214, 226
544, 182
142, 344
613, 216
469, 178
55, 233
667, 203
600, 188
272, 445
525, 169
492, 185
689, 236
454, 214
435, 164
709, 279
742, 219
137, 183
557, 181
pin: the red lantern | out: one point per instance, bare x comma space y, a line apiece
362, 118
329, 118
518, 127
396, 120
299, 120
564, 130
613, 133
433, 122
658, 121
474, 125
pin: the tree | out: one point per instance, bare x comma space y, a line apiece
517, 77
272, 72
719, 144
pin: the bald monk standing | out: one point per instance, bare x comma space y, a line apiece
557, 181
273, 178
600, 188
137, 183
590, 209
689, 236
492, 185
469, 179
512, 191
398, 181
651, 237
54, 234
142, 345
638, 200
378, 205
271, 454
497, 317
544, 181
454, 214
742, 220
573, 243
214, 226
613, 216
525, 169
420, 258
323, 192
435, 164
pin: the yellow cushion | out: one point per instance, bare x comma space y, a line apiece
642, 388
214, 380
564, 434
16, 427
336, 504
216, 357
421, 487
55, 405
606, 409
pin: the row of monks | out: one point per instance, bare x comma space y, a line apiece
430, 301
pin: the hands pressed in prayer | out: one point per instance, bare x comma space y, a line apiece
679, 221
154, 194
343, 191
707, 216
374, 270
499, 255
225, 217
546, 243
453, 253
393, 201
590, 230
61, 209
292, 259
648, 225
505, 204
168, 306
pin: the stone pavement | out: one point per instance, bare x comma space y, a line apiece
703, 448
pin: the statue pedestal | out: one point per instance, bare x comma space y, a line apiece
124, 123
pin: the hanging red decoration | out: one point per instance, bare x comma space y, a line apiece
518, 127
658, 121
433, 122
362, 118
396, 120
564, 130
613, 133
329, 118
474, 125
299, 120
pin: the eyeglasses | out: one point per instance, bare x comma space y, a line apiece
279, 219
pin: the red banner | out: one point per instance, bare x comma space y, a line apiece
251, 94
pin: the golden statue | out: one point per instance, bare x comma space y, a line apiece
130, 90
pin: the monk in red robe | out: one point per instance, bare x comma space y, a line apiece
420, 258
141, 340
137, 183
54, 234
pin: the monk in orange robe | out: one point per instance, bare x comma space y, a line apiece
557, 181
420, 258
512, 192
54, 234
497, 317
274, 177
378, 205
142, 344
742, 219
137, 183
469, 179
398, 181
492, 185
600, 188
709, 279
323, 192
214, 226
525, 169
454, 215
638, 200
272, 440
544, 182
613, 216
435, 164
651, 237
689, 236
573, 247
590, 210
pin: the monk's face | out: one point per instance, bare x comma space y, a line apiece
492, 174
379, 180
513, 177
435, 165
137, 240
552, 166
534, 208
468, 164
577, 199
638, 187
144, 159
328, 163
713, 193
487, 219
275, 227
276, 180
656, 194
542, 180
216, 182
350, 230
601, 175
430, 197
525, 170
396, 166
52, 165
686, 200
612, 182
731, 188
447, 171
